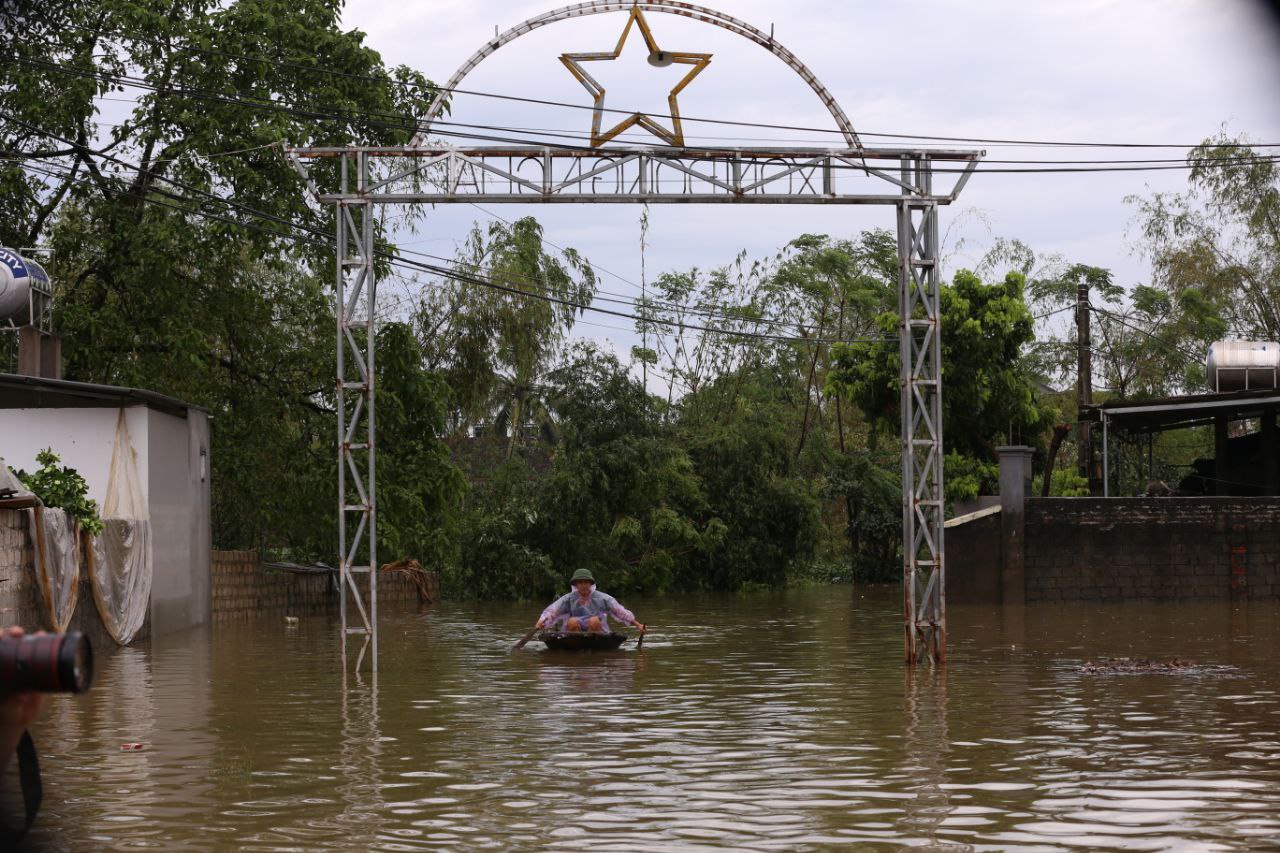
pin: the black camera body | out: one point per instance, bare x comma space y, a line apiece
46, 663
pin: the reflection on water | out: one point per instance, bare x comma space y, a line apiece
762, 722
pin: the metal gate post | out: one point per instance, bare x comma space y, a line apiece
754, 179
355, 296
920, 330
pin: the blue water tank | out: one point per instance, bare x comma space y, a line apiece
20, 276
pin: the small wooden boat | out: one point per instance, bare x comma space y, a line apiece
582, 642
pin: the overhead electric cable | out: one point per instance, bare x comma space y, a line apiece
697, 311
725, 155
323, 239
1188, 354
433, 90
377, 119
694, 310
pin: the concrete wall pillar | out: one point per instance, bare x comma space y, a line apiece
1221, 457
39, 353
1270, 453
1015, 485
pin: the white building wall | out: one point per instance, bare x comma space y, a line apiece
174, 482
179, 506
84, 438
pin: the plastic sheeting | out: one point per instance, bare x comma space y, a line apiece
57, 551
120, 566
55, 538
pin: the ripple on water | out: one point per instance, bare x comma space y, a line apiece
817, 738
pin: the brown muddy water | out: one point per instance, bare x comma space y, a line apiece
771, 721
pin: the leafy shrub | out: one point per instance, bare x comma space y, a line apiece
62, 487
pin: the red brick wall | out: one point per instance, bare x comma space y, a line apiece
21, 601
243, 588
1117, 549
1086, 549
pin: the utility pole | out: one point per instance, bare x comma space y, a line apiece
644, 296
1084, 383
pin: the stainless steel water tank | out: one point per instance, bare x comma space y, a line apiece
19, 276
1240, 365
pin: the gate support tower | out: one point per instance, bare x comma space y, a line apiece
424, 172
355, 298
920, 347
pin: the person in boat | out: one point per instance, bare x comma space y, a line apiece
585, 609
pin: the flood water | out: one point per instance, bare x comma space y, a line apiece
770, 721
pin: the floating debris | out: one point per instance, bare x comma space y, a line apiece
1147, 666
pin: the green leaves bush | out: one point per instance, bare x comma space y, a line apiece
62, 487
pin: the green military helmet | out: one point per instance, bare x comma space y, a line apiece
582, 575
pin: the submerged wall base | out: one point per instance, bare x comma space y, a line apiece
243, 587
21, 602
1120, 549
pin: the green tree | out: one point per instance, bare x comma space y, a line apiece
771, 517
63, 488
494, 345
989, 395
620, 499
178, 251
831, 289
418, 486
1215, 249
705, 325
870, 486
623, 497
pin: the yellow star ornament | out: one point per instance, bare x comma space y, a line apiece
657, 57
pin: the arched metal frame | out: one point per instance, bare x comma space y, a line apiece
422, 172
673, 7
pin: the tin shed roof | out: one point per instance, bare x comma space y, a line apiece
33, 392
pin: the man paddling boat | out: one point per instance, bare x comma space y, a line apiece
585, 609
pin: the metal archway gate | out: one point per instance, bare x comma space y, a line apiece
423, 172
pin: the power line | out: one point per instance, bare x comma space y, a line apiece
726, 153
695, 310
434, 90
454, 274
1122, 321
569, 133
1049, 314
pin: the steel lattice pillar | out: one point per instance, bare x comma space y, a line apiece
923, 567
548, 174
355, 295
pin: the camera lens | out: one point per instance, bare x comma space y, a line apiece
48, 663
75, 663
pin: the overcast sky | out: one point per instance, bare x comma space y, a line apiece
1146, 71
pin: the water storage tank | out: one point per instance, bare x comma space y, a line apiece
1241, 365
20, 276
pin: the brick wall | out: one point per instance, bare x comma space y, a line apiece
1106, 549
242, 588
1116, 549
22, 603
19, 591
973, 558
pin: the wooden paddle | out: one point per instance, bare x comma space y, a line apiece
640, 642
526, 638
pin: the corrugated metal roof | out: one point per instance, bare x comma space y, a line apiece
1189, 410
33, 392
